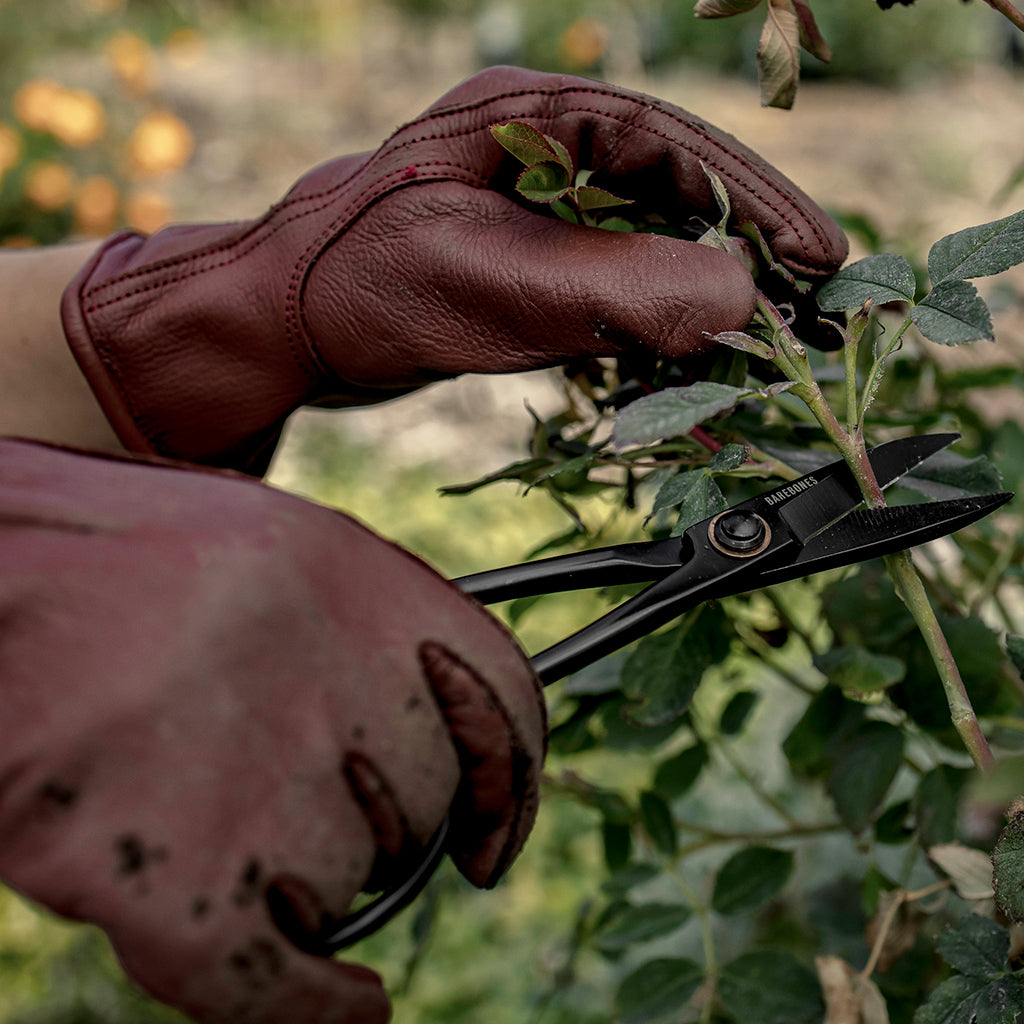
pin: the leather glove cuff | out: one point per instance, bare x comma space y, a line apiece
189, 338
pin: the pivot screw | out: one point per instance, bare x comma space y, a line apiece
739, 533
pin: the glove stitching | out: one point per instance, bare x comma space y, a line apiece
693, 126
366, 195
784, 207
299, 342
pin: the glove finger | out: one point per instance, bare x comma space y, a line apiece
254, 977
496, 805
642, 147
478, 284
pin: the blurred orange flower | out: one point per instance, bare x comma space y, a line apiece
148, 211
583, 43
33, 102
131, 57
74, 116
49, 185
96, 205
10, 147
77, 118
161, 142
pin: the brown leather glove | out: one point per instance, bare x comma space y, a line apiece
212, 692
386, 271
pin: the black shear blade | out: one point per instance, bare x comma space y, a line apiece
836, 492
870, 533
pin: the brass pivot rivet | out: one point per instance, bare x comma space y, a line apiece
739, 534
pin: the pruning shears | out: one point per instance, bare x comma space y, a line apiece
803, 527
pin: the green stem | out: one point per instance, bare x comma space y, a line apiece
875, 373
714, 838
901, 569
965, 721
707, 938
850, 346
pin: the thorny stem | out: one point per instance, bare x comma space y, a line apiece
793, 363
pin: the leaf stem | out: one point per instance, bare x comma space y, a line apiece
707, 938
875, 373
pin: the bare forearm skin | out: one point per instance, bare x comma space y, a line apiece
43, 394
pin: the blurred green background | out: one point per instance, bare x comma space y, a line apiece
114, 112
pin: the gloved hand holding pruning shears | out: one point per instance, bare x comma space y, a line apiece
227, 710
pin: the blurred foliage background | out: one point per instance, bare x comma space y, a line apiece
131, 113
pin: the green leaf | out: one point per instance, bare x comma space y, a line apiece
590, 198
857, 671
617, 224
979, 251
737, 711
882, 278
623, 732
721, 194
674, 412
728, 457
891, 826
778, 56
977, 946
658, 823
642, 923
531, 146
953, 313
661, 675
1008, 869
750, 878
951, 475
936, 804
976, 650
770, 987
676, 776
963, 999
617, 841
812, 742
723, 8
543, 183
567, 475
864, 768
703, 500
621, 880
745, 343
676, 489
657, 989
864, 609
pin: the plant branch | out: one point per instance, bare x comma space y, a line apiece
1008, 11
908, 583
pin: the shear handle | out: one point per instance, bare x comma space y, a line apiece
639, 562
706, 573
